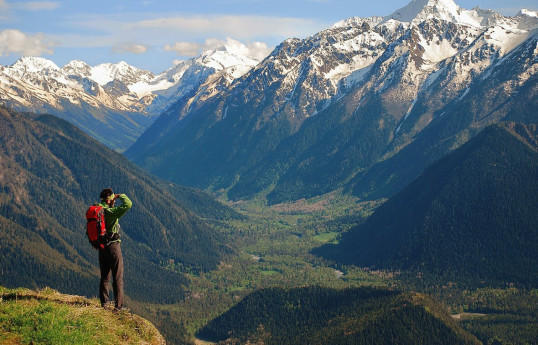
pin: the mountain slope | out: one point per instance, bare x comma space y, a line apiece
51, 172
314, 315
504, 91
381, 94
471, 216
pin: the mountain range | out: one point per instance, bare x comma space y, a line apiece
365, 105
51, 172
114, 103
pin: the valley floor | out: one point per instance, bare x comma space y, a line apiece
274, 249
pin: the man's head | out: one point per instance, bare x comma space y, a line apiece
106, 194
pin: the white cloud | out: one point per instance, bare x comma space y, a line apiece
256, 50
242, 27
13, 41
185, 48
6, 8
37, 5
162, 29
128, 47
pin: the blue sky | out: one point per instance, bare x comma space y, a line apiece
153, 34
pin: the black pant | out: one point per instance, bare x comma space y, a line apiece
111, 263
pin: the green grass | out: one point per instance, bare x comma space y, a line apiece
44, 322
327, 237
47, 317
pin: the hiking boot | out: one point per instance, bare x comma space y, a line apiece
107, 305
121, 309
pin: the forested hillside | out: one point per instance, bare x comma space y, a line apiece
470, 217
51, 172
315, 315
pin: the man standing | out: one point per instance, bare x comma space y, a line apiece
110, 257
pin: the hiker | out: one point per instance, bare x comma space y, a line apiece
110, 257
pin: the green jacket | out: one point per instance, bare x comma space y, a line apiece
113, 214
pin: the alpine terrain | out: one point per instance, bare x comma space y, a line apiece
114, 103
366, 105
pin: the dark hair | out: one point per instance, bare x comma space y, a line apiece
105, 193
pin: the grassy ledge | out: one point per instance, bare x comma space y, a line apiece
49, 317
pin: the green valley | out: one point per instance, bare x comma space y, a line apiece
275, 252
276, 247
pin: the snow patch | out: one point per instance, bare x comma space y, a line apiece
463, 95
505, 38
300, 74
437, 51
357, 76
431, 78
528, 13
406, 115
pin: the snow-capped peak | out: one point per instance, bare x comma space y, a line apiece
528, 13
222, 59
34, 64
527, 20
421, 9
77, 67
447, 10
107, 72
357, 21
228, 59
76, 64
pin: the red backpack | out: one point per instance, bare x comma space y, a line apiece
95, 228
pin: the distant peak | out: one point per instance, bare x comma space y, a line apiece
113, 65
124, 65
224, 58
424, 9
76, 67
447, 10
34, 64
76, 64
251, 51
357, 21
528, 13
